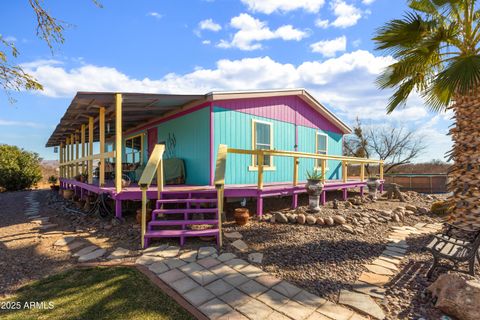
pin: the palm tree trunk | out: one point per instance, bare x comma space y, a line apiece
464, 176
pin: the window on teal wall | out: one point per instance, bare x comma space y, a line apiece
134, 150
321, 146
263, 140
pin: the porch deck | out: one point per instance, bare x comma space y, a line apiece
133, 192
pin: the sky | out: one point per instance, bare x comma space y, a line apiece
198, 46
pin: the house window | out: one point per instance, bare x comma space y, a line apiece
134, 150
321, 147
262, 140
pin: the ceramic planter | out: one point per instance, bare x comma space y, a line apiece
241, 216
314, 190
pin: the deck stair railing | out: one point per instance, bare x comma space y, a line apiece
208, 204
260, 155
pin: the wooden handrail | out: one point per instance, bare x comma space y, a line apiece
154, 166
97, 156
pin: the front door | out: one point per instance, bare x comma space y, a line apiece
152, 138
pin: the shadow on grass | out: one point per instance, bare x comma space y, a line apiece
96, 293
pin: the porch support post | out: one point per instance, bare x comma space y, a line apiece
67, 149
60, 173
345, 171
361, 191
294, 200
102, 145
345, 194
295, 171
362, 171
72, 154
118, 142
259, 204
323, 197
324, 169
77, 154
118, 208
90, 150
82, 140
260, 159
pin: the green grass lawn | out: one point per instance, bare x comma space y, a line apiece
95, 293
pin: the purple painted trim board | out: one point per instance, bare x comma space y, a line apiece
289, 109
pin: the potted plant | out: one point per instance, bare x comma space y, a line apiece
314, 189
241, 216
53, 183
372, 184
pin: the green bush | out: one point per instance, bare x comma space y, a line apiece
19, 169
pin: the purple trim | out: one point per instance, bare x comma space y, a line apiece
118, 208
212, 147
289, 109
173, 116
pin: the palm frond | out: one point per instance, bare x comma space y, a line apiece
461, 76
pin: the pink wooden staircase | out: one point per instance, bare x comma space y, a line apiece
175, 214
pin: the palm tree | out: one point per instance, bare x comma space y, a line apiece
436, 47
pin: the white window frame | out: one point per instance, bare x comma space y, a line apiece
253, 166
317, 161
142, 149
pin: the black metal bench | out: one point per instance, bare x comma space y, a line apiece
456, 245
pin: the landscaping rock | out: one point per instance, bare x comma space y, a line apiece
292, 218
339, 219
233, 235
396, 218
348, 228
63, 241
329, 221
422, 210
119, 253
280, 217
311, 219
320, 221
457, 295
85, 250
92, 255
301, 219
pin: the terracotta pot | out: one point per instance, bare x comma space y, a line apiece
139, 215
241, 216
67, 194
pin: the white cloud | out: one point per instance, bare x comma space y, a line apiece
206, 42
252, 31
10, 39
209, 24
12, 123
322, 23
368, 2
270, 6
347, 15
329, 48
154, 14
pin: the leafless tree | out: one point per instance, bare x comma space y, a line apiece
395, 145
50, 30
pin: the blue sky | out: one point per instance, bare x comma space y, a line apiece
203, 45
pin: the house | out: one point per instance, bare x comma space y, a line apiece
288, 129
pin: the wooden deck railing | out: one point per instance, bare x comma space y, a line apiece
154, 166
260, 154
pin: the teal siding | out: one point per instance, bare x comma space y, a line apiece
235, 130
307, 143
192, 134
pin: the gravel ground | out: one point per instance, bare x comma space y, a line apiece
325, 260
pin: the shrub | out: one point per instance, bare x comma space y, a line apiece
52, 180
441, 208
19, 169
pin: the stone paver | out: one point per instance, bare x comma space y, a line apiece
204, 252
198, 296
172, 276
390, 259
287, 289
396, 249
47, 226
233, 235
119, 253
158, 267
334, 311
379, 270
170, 252
273, 299
252, 272
318, 316
295, 310
240, 245
92, 255
85, 250
268, 280
226, 256
155, 251
362, 303
255, 310
236, 263
235, 298
393, 254
72, 246
219, 287
174, 263
183, 285
215, 308
236, 279
222, 270
252, 288
208, 262
191, 267
203, 277
373, 278
148, 260
371, 290
309, 300
232, 315
189, 256
255, 257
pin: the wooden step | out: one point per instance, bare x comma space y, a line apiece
181, 222
165, 201
181, 233
192, 210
